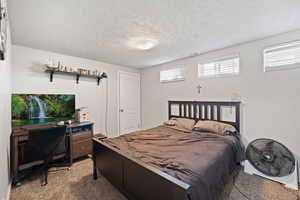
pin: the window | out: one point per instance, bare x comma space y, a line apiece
172, 75
220, 68
284, 56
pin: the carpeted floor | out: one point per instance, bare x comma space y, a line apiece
78, 184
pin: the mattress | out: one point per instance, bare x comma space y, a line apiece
203, 160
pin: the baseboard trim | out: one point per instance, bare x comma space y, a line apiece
8, 191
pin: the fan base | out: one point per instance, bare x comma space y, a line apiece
290, 181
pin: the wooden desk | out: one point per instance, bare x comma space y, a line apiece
78, 143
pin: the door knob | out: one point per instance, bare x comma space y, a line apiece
121, 110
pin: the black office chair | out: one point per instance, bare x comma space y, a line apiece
44, 144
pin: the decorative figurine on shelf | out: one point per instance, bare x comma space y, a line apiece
71, 70
80, 70
60, 66
50, 65
103, 75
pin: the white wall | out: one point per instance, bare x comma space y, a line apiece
29, 77
271, 100
5, 121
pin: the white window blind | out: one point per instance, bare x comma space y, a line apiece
172, 75
282, 56
220, 68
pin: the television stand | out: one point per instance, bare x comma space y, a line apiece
78, 143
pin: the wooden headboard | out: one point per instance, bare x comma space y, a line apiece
205, 110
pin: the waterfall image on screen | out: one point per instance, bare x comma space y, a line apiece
34, 108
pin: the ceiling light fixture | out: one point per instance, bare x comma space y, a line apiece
142, 43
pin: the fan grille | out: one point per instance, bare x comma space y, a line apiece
270, 157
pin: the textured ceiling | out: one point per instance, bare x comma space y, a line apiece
101, 29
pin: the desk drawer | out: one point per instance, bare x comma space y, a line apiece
23, 138
82, 148
82, 136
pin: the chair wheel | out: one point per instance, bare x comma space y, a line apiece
44, 184
18, 184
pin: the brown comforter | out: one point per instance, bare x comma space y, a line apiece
203, 160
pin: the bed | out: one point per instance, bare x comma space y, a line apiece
163, 163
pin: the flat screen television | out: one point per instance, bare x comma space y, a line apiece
41, 108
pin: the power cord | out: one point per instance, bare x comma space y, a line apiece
241, 192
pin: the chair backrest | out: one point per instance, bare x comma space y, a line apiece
43, 143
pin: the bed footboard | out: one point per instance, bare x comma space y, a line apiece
135, 179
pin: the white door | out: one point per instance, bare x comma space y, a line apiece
129, 102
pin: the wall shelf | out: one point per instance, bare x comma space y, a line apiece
75, 74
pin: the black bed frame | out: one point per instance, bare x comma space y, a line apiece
140, 181
205, 110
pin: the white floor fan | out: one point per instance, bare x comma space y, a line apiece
272, 160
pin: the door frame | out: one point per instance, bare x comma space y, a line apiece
138, 75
